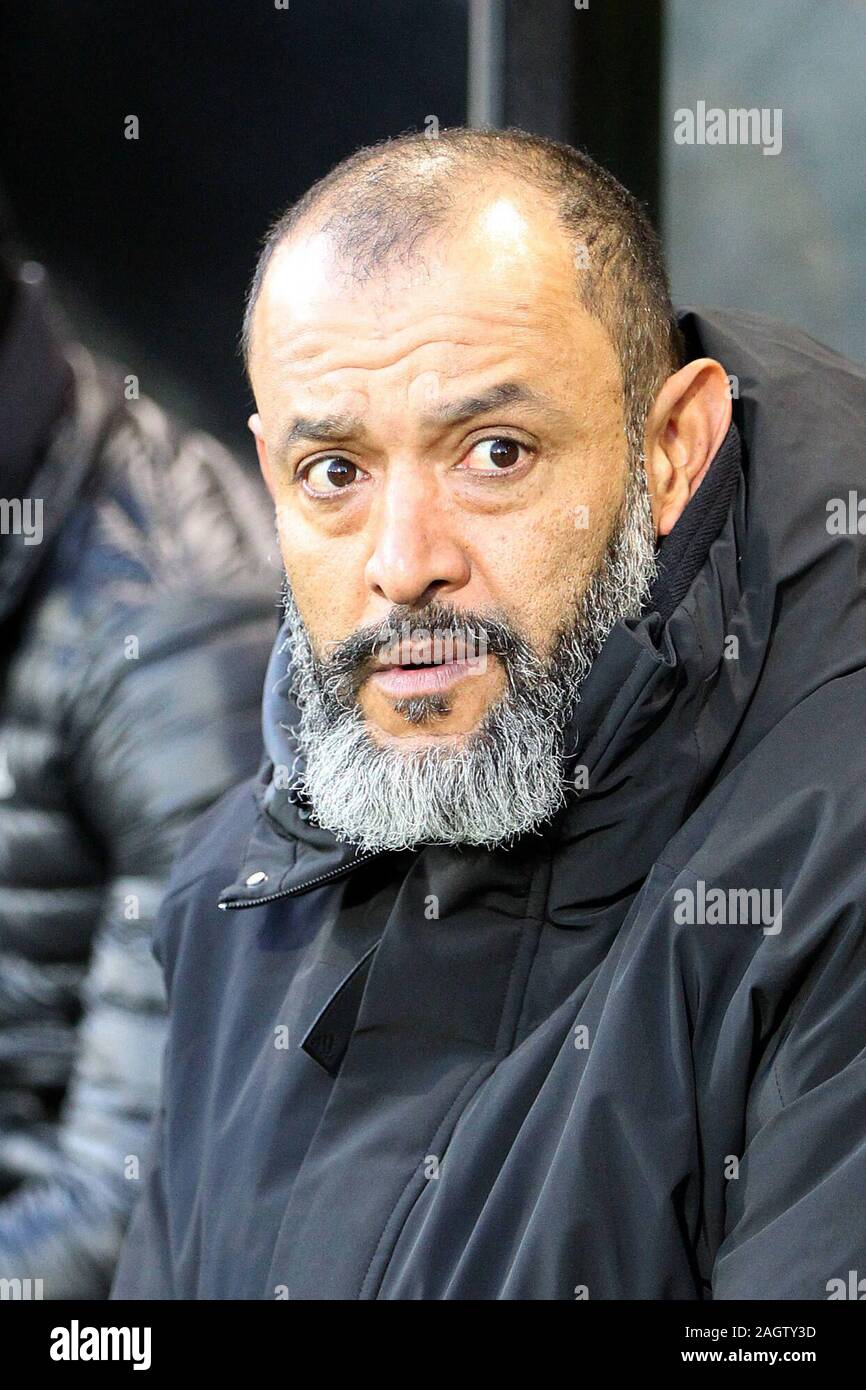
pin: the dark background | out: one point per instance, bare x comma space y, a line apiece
151, 243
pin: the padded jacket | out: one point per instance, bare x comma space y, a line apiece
135, 630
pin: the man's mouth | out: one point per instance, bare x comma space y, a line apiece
426, 664
404, 681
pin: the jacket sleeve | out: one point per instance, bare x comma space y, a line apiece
145, 1267
157, 737
795, 1227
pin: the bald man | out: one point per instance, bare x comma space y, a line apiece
531, 966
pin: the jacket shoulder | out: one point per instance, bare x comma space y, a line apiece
165, 553
165, 509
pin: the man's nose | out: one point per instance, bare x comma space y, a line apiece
416, 551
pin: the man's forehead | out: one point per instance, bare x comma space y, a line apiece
495, 252
449, 322
431, 360
303, 273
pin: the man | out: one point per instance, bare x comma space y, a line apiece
136, 612
532, 966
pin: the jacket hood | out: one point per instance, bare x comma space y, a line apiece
745, 617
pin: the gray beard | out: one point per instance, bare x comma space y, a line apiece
505, 778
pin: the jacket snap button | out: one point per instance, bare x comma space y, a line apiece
257, 877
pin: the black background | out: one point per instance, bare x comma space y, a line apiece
151, 243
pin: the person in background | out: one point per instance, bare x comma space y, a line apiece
137, 610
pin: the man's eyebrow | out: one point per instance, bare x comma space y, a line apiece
336, 429
329, 429
506, 393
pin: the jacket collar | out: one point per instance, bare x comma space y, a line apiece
643, 754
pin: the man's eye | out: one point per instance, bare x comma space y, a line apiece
495, 455
330, 474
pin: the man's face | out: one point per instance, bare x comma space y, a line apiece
447, 435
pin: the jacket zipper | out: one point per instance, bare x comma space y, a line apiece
302, 887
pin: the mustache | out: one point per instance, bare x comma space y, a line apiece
347, 662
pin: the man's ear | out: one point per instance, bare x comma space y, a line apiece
686, 425
255, 426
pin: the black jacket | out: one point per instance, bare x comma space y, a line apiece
135, 635
610, 1062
